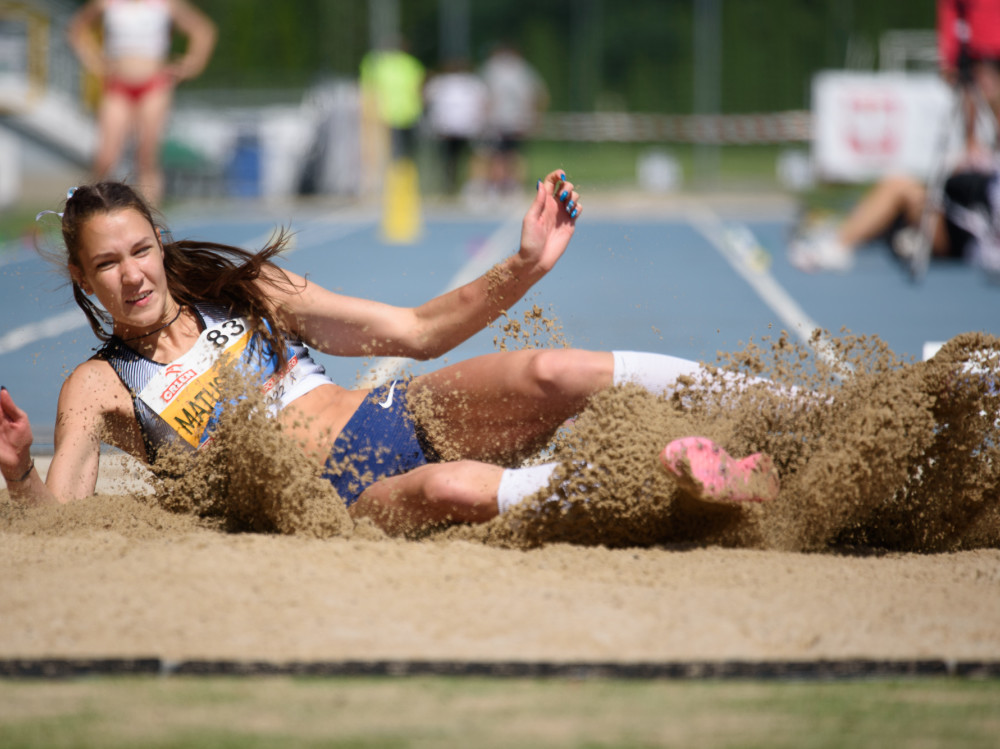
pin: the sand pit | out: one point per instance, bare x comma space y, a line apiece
884, 543
121, 579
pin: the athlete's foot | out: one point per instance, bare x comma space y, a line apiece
710, 474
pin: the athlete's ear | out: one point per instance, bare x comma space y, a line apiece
77, 275
164, 237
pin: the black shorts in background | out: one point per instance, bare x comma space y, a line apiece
968, 190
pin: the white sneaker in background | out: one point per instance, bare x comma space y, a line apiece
820, 251
907, 242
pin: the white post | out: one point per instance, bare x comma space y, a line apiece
707, 80
10, 169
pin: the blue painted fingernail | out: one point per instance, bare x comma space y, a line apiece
570, 205
573, 214
562, 175
563, 195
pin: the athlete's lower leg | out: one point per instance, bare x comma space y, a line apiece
662, 375
517, 484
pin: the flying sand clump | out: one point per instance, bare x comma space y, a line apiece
251, 476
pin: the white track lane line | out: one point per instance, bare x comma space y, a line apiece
795, 319
499, 245
50, 327
320, 232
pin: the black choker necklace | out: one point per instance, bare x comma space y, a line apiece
166, 325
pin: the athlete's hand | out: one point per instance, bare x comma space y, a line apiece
550, 221
15, 437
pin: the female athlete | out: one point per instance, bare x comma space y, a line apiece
178, 310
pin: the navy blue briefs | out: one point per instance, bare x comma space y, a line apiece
379, 441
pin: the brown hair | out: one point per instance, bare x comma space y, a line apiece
196, 271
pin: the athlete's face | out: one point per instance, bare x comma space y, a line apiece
121, 263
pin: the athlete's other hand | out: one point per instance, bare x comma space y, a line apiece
15, 437
550, 221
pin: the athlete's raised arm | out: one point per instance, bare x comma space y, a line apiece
347, 326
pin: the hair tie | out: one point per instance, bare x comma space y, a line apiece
69, 194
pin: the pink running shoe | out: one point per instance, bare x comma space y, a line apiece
710, 474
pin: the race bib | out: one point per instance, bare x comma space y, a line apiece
187, 392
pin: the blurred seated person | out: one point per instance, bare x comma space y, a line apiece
969, 52
969, 55
892, 210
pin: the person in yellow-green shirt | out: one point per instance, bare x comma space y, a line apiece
392, 82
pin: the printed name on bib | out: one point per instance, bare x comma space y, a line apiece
187, 392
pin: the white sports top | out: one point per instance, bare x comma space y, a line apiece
137, 28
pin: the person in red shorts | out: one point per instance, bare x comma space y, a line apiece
138, 74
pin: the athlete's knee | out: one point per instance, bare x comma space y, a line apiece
570, 372
450, 484
460, 491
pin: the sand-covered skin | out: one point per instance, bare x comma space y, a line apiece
889, 478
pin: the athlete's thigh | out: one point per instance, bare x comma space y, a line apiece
494, 406
511, 385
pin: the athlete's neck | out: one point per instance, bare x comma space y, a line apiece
170, 339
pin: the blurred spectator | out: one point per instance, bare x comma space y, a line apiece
457, 101
392, 83
969, 51
517, 97
892, 210
961, 222
138, 75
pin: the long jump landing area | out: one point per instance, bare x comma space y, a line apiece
141, 592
